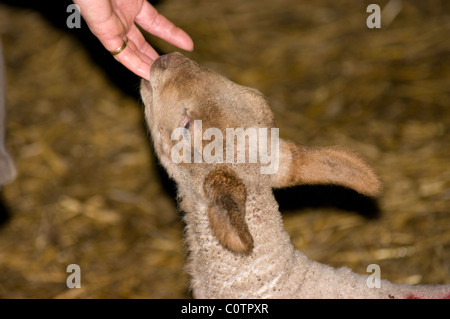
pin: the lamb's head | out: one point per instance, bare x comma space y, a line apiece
217, 139
189, 109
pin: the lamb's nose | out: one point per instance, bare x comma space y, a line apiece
163, 61
170, 59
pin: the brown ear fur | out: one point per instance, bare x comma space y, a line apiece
226, 212
301, 165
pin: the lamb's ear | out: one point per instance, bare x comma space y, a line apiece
329, 165
227, 195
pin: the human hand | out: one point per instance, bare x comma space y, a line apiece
112, 21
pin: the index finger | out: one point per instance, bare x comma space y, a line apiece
155, 23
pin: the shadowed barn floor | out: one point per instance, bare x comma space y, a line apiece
90, 191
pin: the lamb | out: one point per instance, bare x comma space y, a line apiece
234, 233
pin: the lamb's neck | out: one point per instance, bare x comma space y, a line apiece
218, 272
274, 269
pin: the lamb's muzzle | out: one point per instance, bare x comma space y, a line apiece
237, 245
169, 59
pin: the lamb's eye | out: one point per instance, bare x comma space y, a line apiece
187, 125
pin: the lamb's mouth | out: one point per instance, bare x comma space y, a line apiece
147, 84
